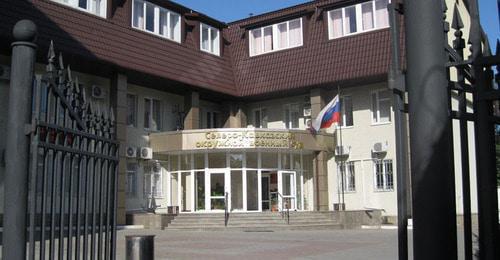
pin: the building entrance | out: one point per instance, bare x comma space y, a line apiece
242, 181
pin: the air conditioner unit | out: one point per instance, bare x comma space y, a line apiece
98, 92
146, 153
4, 72
342, 150
131, 152
307, 111
380, 147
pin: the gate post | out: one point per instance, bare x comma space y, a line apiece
433, 188
18, 140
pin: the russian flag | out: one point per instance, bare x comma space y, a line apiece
328, 115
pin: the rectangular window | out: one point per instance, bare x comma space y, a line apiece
209, 39
152, 114
381, 106
275, 37
131, 181
131, 110
346, 111
348, 175
154, 19
211, 119
260, 118
153, 182
384, 180
358, 18
97, 7
292, 116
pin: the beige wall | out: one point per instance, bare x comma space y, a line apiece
275, 111
138, 137
361, 137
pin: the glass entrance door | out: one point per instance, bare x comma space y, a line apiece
217, 189
286, 187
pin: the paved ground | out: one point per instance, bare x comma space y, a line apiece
334, 244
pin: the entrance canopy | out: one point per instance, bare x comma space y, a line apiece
240, 138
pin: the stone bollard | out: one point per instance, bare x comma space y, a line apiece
140, 247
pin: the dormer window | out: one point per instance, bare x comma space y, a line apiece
209, 39
276, 37
157, 20
97, 7
358, 18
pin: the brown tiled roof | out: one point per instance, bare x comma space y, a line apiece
113, 42
318, 62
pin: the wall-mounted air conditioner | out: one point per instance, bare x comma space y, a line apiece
380, 147
342, 150
131, 152
146, 153
4, 72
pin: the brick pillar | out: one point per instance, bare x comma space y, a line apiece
320, 161
118, 100
192, 109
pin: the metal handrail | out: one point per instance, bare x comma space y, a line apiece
226, 212
285, 203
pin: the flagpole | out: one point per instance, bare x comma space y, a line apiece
342, 168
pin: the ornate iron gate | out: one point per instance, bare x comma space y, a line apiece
438, 74
73, 180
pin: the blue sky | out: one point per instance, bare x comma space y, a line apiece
232, 10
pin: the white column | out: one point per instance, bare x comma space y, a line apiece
207, 191
280, 189
169, 189
259, 181
193, 189
244, 182
179, 189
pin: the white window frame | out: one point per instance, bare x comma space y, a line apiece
259, 110
289, 124
359, 20
103, 10
156, 31
275, 37
349, 169
375, 108
343, 114
135, 109
131, 189
211, 30
159, 124
386, 185
150, 192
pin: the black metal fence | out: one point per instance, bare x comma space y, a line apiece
73, 177
61, 193
445, 83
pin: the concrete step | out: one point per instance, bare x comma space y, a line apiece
259, 228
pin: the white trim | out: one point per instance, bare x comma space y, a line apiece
103, 7
377, 112
159, 124
359, 20
211, 30
275, 38
156, 30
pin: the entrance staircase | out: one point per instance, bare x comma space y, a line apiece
254, 222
